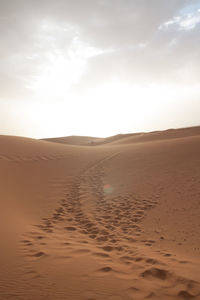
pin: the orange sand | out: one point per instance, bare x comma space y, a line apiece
95, 219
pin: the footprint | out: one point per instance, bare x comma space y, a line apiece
105, 269
39, 254
157, 273
107, 248
152, 261
99, 254
39, 237
70, 228
185, 295
102, 239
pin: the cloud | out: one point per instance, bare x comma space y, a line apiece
32, 31
186, 20
53, 50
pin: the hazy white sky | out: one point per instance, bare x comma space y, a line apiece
98, 67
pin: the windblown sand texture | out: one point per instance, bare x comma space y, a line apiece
99, 219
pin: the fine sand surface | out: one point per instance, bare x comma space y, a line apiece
95, 219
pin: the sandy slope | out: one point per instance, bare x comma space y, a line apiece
74, 140
118, 220
128, 138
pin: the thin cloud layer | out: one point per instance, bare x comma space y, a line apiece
54, 51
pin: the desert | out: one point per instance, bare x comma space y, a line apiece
115, 219
99, 150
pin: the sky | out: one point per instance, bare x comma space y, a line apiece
98, 67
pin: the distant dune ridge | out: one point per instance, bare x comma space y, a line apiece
113, 218
127, 138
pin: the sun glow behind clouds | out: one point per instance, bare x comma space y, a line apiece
62, 65
110, 109
105, 109
98, 68
58, 76
62, 71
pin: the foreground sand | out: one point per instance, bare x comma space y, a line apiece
115, 218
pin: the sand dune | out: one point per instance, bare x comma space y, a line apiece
116, 221
74, 140
128, 138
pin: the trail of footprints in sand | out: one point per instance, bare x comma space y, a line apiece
107, 221
112, 226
